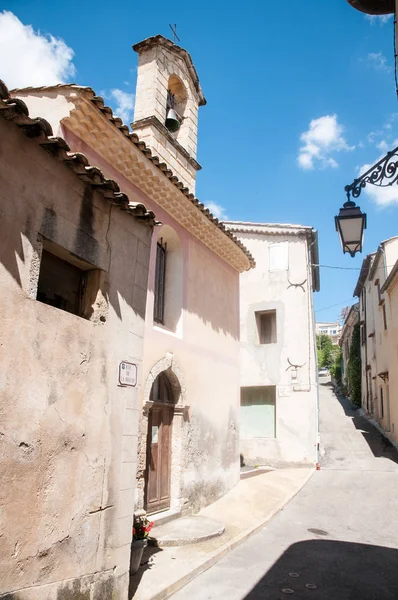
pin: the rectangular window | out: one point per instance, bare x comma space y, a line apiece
258, 415
266, 326
160, 278
363, 333
279, 256
381, 404
384, 317
61, 284
378, 290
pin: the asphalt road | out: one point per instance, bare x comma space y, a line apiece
337, 539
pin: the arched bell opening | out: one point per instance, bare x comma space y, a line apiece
176, 105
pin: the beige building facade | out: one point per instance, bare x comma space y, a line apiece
377, 300
279, 394
74, 254
331, 329
188, 450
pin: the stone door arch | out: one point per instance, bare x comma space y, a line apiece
173, 414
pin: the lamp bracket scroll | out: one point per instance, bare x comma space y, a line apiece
383, 174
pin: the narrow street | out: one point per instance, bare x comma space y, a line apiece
337, 539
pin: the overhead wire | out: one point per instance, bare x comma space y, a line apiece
349, 268
333, 305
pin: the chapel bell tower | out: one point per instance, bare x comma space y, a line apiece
167, 99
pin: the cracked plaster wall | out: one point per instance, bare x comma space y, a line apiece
68, 435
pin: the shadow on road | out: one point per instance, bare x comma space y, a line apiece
331, 570
146, 563
379, 445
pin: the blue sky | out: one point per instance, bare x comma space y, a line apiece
300, 95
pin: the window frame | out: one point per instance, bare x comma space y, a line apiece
89, 279
383, 308
160, 282
274, 326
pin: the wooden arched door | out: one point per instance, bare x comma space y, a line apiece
160, 421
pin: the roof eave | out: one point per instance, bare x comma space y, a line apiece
362, 275
89, 94
391, 279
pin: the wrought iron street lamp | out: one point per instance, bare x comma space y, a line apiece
350, 224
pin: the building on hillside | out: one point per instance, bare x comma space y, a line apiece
279, 395
351, 320
377, 293
331, 329
188, 454
73, 254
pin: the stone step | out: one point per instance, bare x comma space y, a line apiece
164, 517
187, 530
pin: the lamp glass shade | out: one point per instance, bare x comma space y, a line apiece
350, 225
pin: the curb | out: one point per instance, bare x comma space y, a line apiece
223, 550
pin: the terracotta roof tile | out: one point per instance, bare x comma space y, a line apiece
16, 111
162, 166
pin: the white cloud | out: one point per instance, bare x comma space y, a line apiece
378, 61
123, 104
323, 137
29, 58
378, 19
217, 210
383, 146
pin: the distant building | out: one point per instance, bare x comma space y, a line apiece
377, 290
346, 337
279, 402
331, 329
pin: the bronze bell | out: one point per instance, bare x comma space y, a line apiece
172, 123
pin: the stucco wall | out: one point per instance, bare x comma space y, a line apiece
68, 431
202, 345
267, 365
205, 353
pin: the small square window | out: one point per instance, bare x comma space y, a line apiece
266, 326
60, 283
66, 282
